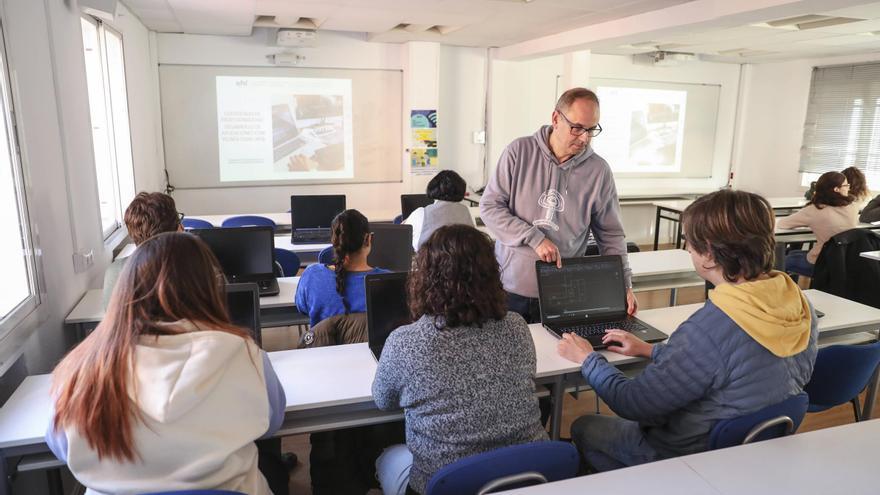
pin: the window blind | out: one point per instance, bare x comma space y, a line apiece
842, 127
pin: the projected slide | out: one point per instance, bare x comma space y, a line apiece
283, 128
643, 129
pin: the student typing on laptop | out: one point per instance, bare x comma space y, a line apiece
752, 345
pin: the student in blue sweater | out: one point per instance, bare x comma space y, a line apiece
329, 290
753, 344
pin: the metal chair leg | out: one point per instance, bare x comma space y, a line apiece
55, 485
857, 410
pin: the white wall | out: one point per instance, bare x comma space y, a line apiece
44, 48
775, 97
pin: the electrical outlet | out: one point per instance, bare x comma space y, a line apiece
83, 260
479, 137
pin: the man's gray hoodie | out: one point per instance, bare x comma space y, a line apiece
532, 197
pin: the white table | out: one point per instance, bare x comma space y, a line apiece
285, 242
659, 270
841, 459
283, 221
871, 255
781, 206
277, 310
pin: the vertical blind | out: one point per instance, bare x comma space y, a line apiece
842, 128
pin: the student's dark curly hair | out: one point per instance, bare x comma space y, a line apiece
825, 194
858, 184
456, 279
348, 233
736, 228
447, 186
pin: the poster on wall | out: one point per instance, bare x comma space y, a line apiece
423, 151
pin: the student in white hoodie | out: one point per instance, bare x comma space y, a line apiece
166, 394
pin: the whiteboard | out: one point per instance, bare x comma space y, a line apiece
192, 134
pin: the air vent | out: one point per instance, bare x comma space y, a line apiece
811, 21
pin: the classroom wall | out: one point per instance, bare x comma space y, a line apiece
771, 124
44, 49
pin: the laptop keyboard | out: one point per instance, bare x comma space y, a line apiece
321, 236
598, 329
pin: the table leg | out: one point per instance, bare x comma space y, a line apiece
557, 394
868, 407
673, 293
657, 229
779, 261
5, 481
678, 234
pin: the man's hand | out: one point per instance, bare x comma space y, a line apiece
623, 342
574, 348
548, 252
632, 304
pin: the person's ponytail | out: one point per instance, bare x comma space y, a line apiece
348, 232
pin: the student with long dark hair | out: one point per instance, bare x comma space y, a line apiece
166, 393
830, 212
463, 371
329, 290
447, 189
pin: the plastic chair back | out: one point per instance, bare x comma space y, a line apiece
289, 262
507, 468
249, 221
397, 220
773, 421
196, 223
326, 256
840, 374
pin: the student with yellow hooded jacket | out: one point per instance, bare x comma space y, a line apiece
753, 344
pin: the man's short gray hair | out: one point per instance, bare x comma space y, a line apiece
567, 98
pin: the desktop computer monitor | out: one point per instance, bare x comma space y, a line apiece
410, 202
315, 211
246, 254
387, 307
243, 301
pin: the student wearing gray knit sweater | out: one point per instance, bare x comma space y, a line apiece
463, 371
752, 345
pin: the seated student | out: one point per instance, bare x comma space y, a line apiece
166, 394
148, 214
463, 371
871, 211
329, 290
447, 189
830, 212
858, 185
753, 344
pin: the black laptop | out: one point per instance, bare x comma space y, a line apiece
311, 216
386, 307
410, 202
392, 247
246, 254
588, 296
243, 301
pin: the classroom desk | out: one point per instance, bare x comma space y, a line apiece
871, 255
784, 237
283, 221
672, 209
275, 311
659, 270
840, 459
308, 253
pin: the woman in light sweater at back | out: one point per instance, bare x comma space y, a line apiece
447, 189
830, 212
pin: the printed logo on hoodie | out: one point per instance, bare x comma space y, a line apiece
551, 201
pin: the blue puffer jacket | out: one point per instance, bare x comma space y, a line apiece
709, 369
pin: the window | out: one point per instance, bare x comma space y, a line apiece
842, 127
18, 292
111, 138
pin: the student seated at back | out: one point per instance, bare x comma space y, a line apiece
329, 290
148, 214
166, 394
463, 371
858, 185
447, 189
830, 212
753, 344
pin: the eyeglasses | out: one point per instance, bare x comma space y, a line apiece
579, 130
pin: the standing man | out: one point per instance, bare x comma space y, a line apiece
549, 191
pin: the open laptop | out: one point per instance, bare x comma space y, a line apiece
410, 202
246, 254
392, 247
311, 216
588, 296
243, 301
386, 307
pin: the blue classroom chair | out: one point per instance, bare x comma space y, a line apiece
196, 223
248, 221
507, 468
773, 421
289, 262
326, 256
840, 374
